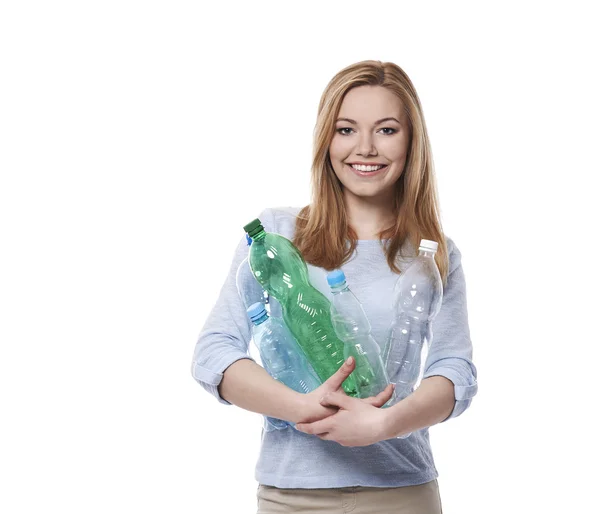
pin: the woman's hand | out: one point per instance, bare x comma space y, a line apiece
314, 409
358, 422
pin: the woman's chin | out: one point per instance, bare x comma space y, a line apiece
369, 192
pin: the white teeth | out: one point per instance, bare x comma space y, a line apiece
361, 167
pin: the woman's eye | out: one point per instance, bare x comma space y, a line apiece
346, 131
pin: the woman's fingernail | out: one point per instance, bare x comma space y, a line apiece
349, 360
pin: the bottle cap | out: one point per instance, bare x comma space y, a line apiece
248, 240
254, 227
336, 277
256, 311
430, 246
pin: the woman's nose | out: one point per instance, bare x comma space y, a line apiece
366, 145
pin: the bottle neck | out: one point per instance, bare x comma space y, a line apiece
338, 288
261, 320
426, 253
259, 236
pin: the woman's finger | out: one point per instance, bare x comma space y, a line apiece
315, 428
334, 382
337, 399
382, 398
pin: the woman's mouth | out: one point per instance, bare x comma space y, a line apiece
366, 171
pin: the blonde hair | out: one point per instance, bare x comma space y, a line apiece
322, 228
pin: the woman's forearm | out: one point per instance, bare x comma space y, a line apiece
249, 386
431, 403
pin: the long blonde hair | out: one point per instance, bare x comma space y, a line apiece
322, 228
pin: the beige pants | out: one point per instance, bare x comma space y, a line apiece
415, 499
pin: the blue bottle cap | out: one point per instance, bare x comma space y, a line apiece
336, 277
248, 240
256, 311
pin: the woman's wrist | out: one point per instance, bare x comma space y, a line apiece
298, 407
394, 421
430, 404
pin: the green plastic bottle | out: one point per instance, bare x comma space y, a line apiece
279, 267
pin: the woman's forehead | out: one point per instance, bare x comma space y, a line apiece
366, 104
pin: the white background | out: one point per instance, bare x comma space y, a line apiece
136, 138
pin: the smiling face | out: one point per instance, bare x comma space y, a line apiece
370, 145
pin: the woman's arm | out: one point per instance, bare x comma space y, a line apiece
451, 351
227, 332
249, 386
357, 424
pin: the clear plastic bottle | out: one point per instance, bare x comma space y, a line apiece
249, 289
353, 328
417, 300
281, 355
251, 292
279, 267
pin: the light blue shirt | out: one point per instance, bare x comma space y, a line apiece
291, 459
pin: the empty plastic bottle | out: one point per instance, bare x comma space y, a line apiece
353, 328
279, 267
251, 291
281, 356
417, 300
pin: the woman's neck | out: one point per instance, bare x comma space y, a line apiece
369, 216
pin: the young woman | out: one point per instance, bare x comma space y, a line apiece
373, 200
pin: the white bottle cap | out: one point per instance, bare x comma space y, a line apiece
427, 245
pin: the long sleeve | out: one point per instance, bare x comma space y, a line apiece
451, 350
226, 334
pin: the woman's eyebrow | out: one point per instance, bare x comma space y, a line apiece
376, 123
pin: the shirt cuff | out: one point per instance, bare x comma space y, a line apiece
463, 391
210, 380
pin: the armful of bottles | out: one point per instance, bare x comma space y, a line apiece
303, 338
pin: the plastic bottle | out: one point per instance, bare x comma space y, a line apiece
251, 292
282, 358
353, 328
249, 289
279, 267
417, 300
